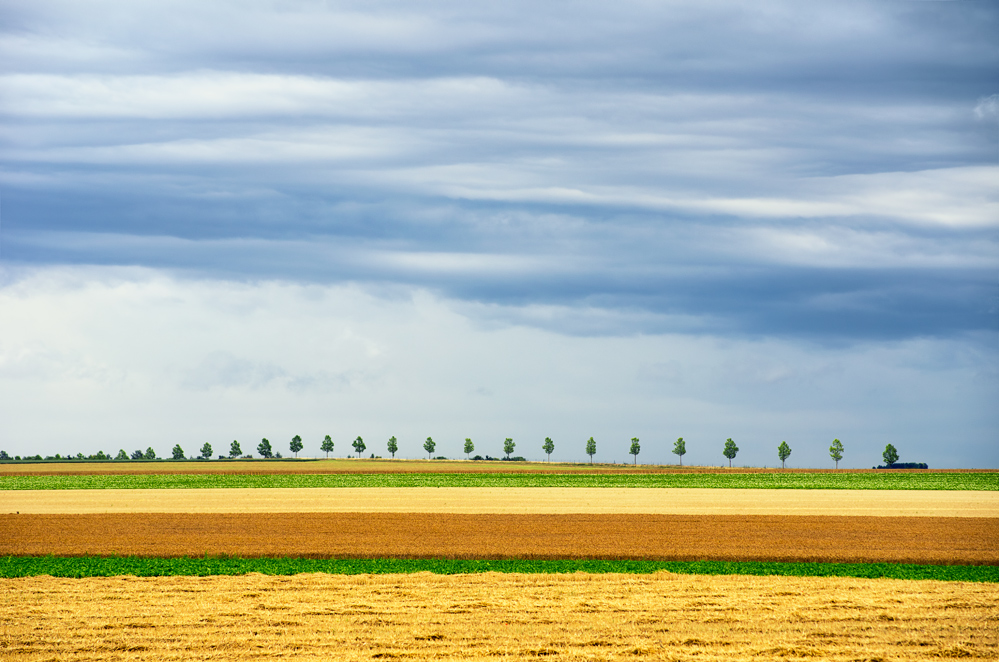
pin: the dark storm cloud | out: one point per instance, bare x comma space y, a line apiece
812, 171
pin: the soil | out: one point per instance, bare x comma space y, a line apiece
491, 616
381, 466
927, 540
531, 500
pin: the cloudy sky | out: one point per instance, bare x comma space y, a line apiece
767, 221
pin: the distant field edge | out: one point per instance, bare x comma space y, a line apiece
980, 481
113, 566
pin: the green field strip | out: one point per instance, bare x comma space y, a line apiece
101, 566
985, 481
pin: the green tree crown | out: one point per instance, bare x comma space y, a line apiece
508, 446
548, 447
730, 450
429, 445
264, 448
680, 448
150, 454
359, 446
234, 449
296, 444
635, 448
178, 452
836, 451
591, 448
783, 452
393, 446
890, 455
206, 451
122, 455
469, 447
327, 445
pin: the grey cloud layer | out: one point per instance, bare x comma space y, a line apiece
775, 169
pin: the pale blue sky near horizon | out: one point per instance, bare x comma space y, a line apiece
768, 221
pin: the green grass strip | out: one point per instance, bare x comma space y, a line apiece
102, 566
988, 481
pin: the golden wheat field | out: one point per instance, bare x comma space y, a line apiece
495, 616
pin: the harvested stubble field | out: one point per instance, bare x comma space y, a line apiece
506, 500
927, 540
490, 616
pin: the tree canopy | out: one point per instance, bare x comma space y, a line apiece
836, 451
680, 448
783, 452
730, 450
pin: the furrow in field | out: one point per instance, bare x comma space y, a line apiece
535, 500
928, 540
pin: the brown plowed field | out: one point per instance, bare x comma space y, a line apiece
369, 466
945, 540
492, 616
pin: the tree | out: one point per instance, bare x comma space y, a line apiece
680, 448
234, 449
296, 444
836, 451
138, 455
548, 447
150, 453
122, 455
469, 447
264, 449
429, 445
508, 447
178, 452
591, 448
783, 452
206, 451
730, 450
327, 446
393, 446
635, 448
359, 446
890, 455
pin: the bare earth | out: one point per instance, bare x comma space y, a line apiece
380, 466
532, 500
494, 616
943, 540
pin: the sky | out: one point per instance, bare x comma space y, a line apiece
769, 221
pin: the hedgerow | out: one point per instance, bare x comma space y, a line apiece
853, 481
108, 566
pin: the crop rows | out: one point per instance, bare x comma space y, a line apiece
846, 480
101, 566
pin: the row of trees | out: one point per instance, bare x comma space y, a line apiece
265, 450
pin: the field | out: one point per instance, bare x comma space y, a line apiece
507, 500
768, 480
931, 540
540, 522
384, 466
494, 616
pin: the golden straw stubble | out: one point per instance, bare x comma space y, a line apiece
490, 616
